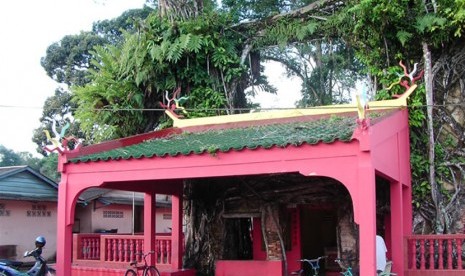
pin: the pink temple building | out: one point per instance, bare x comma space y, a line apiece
351, 149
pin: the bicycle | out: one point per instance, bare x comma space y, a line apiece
314, 263
348, 269
147, 270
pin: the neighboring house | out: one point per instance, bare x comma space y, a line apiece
28, 208
112, 211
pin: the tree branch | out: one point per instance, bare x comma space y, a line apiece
315, 6
321, 6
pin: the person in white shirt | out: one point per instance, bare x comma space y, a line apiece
380, 254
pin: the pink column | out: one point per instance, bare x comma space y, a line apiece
149, 225
406, 199
406, 179
176, 225
64, 229
367, 214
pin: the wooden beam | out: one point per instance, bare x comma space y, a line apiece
242, 215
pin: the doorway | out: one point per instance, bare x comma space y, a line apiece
318, 234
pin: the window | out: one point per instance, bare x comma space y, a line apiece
113, 214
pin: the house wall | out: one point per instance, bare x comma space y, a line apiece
22, 221
116, 216
163, 222
83, 217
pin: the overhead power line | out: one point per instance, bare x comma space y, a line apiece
224, 109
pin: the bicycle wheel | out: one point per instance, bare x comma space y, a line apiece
130, 272
151, 271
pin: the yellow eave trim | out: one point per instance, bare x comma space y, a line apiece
319, 110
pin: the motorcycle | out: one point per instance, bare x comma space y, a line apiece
40, 268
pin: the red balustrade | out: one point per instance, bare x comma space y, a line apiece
122, 248
88, 247
118, 250
162, 251
435, 254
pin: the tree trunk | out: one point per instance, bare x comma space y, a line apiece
180, 9
439, 226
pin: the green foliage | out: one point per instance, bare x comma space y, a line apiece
384, 31
206, 102
199, 55
417, 112
403, 37
456, 14
48, 167
112, 30
420, 167
369, 24
111, 98
67, 61
430, 23
9, 158
286, 30
306, 30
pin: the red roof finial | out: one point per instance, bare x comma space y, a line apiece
407, 79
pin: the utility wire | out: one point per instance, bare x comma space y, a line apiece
227, 109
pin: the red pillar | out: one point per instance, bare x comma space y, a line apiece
405, 216
367, 215
176, 227
64, 229
407, 210
406, 178
149, 225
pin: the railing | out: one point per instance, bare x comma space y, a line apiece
443, 254
117, 249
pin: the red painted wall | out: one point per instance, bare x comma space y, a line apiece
248, 268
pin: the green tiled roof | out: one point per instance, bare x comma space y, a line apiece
326, 130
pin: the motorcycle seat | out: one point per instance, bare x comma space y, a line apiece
11, 263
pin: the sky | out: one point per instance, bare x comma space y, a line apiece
28, 27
